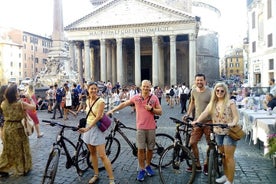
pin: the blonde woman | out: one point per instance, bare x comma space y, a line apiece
223, 110
33, 113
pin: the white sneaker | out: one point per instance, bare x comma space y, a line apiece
222, 179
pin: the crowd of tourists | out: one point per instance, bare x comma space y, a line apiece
204, 104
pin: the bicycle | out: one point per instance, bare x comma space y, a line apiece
186, 134
214, 156
80, 159
113, 145
177, 157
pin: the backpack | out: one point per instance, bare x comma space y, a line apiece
172, 92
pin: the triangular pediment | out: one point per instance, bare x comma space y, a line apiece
130, 12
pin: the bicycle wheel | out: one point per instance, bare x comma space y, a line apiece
212, 167
176, 171
82, 155
51, 167
112, 149
162, 141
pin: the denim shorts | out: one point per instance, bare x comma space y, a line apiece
225, 140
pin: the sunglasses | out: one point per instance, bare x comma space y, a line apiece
222, 91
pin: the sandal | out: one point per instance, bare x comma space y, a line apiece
94, 179
111, 181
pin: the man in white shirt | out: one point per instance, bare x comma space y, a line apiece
183, 92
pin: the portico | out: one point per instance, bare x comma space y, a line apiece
159, 45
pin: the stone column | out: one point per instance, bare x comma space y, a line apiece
137, 61
72, 61
155, 67
87, 70
192, 58
92, 63
113, 56
161, 63
103, 60
108, 61
172, 60
80, 62
120, 70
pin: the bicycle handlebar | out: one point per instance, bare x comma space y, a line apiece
199, 124
182, 122
55, 123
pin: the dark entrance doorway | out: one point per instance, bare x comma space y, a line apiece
146, 67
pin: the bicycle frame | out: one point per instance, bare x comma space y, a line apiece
62, 143
117, 128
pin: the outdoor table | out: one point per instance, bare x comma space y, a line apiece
259, 123
262, 128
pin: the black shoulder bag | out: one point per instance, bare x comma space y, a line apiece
82, 121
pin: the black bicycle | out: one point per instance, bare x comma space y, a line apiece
80, 158
113, 145
177, 158
214, 156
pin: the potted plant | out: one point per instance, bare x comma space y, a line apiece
272, 147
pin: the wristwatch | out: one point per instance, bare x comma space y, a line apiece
151, 109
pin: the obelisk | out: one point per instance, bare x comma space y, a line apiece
58, 54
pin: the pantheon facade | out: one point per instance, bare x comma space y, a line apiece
127, 41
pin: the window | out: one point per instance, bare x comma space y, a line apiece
269, 11
36, 60
44, 61
237, 71
11, 64
32, 47
237, 65
254, 46
271, 64
231, 65
253, 20
269, 40
24, 38
231, 71
19, 65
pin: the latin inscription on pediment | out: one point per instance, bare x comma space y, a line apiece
129, 31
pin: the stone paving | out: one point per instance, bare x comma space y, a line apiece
251, 166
